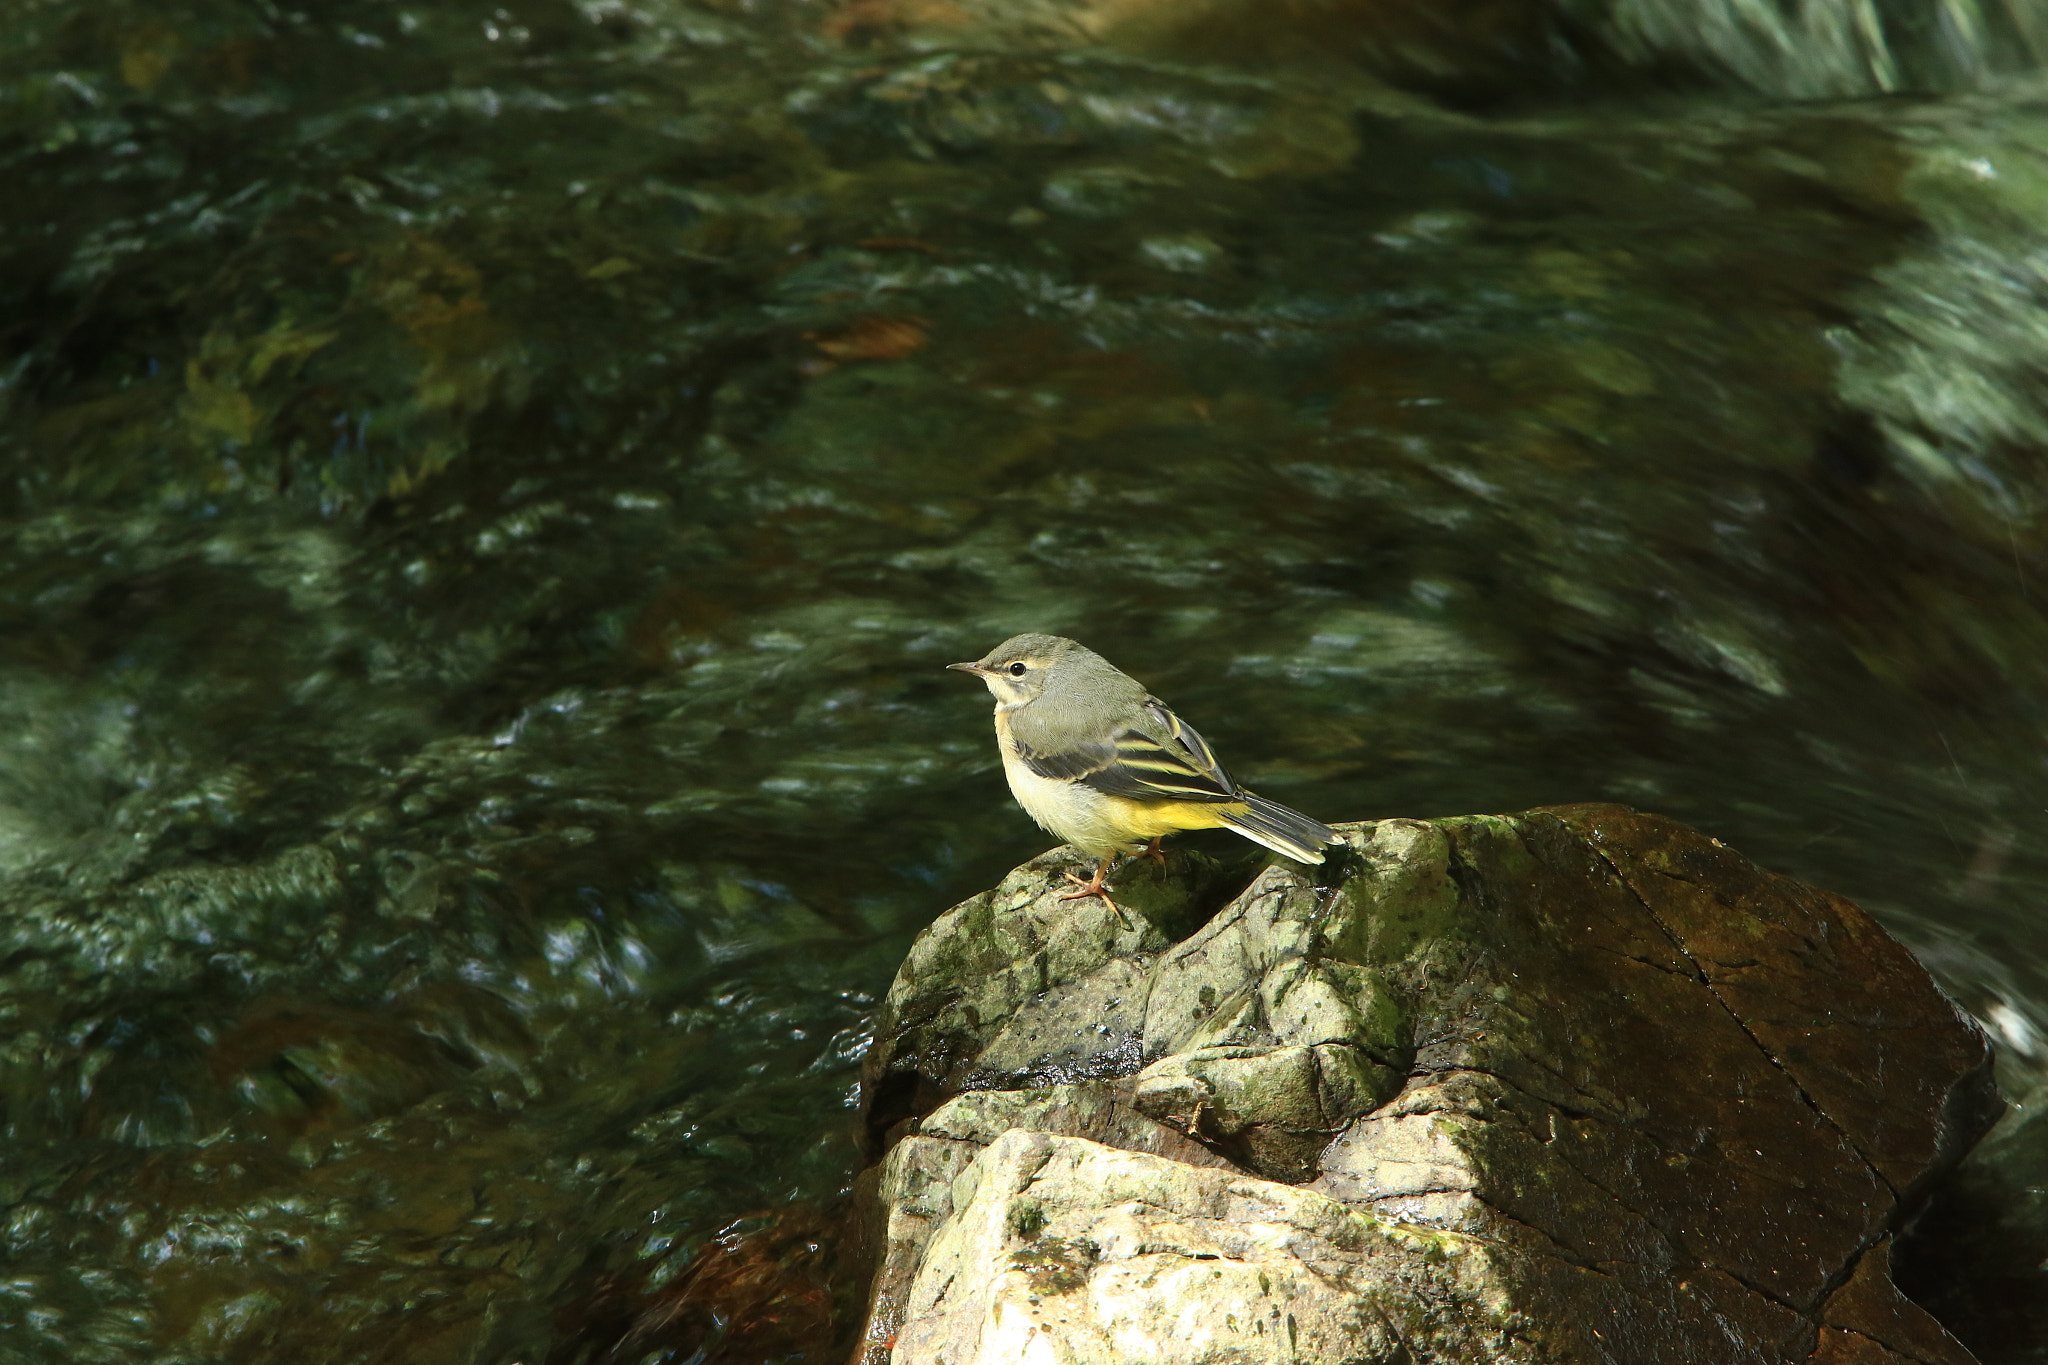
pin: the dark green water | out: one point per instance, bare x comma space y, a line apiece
488, 493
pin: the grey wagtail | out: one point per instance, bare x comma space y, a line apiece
1103, 764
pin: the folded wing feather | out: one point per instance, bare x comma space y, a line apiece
1175, 766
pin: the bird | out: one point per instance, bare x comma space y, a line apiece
1100, 762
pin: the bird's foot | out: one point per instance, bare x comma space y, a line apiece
1153, 852
1084, 887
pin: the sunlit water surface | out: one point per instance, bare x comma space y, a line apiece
489, 491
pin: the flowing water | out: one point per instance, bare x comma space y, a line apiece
488, 492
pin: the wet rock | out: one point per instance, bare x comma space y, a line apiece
1577, 1084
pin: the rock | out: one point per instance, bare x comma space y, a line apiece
1016, 987
1577, 1084
1108, 1255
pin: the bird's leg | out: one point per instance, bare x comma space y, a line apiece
1152, 851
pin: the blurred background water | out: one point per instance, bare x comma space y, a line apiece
488, 491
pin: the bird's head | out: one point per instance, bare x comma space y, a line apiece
1018, 669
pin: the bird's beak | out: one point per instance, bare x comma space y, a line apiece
976, 669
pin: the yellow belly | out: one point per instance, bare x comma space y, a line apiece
1097, 824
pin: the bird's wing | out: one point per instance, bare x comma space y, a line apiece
1174, 765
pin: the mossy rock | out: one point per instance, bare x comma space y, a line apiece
1625, 1095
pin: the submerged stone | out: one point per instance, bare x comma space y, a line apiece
1575, 1084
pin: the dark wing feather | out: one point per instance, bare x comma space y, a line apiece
1199, 754
1142, 767
1073, 765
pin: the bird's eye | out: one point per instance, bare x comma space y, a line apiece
1017, 670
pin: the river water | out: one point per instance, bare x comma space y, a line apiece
489, 492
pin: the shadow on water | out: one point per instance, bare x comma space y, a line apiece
490, 490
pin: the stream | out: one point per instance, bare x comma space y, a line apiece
487, 493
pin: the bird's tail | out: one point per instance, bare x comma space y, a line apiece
1285, 831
